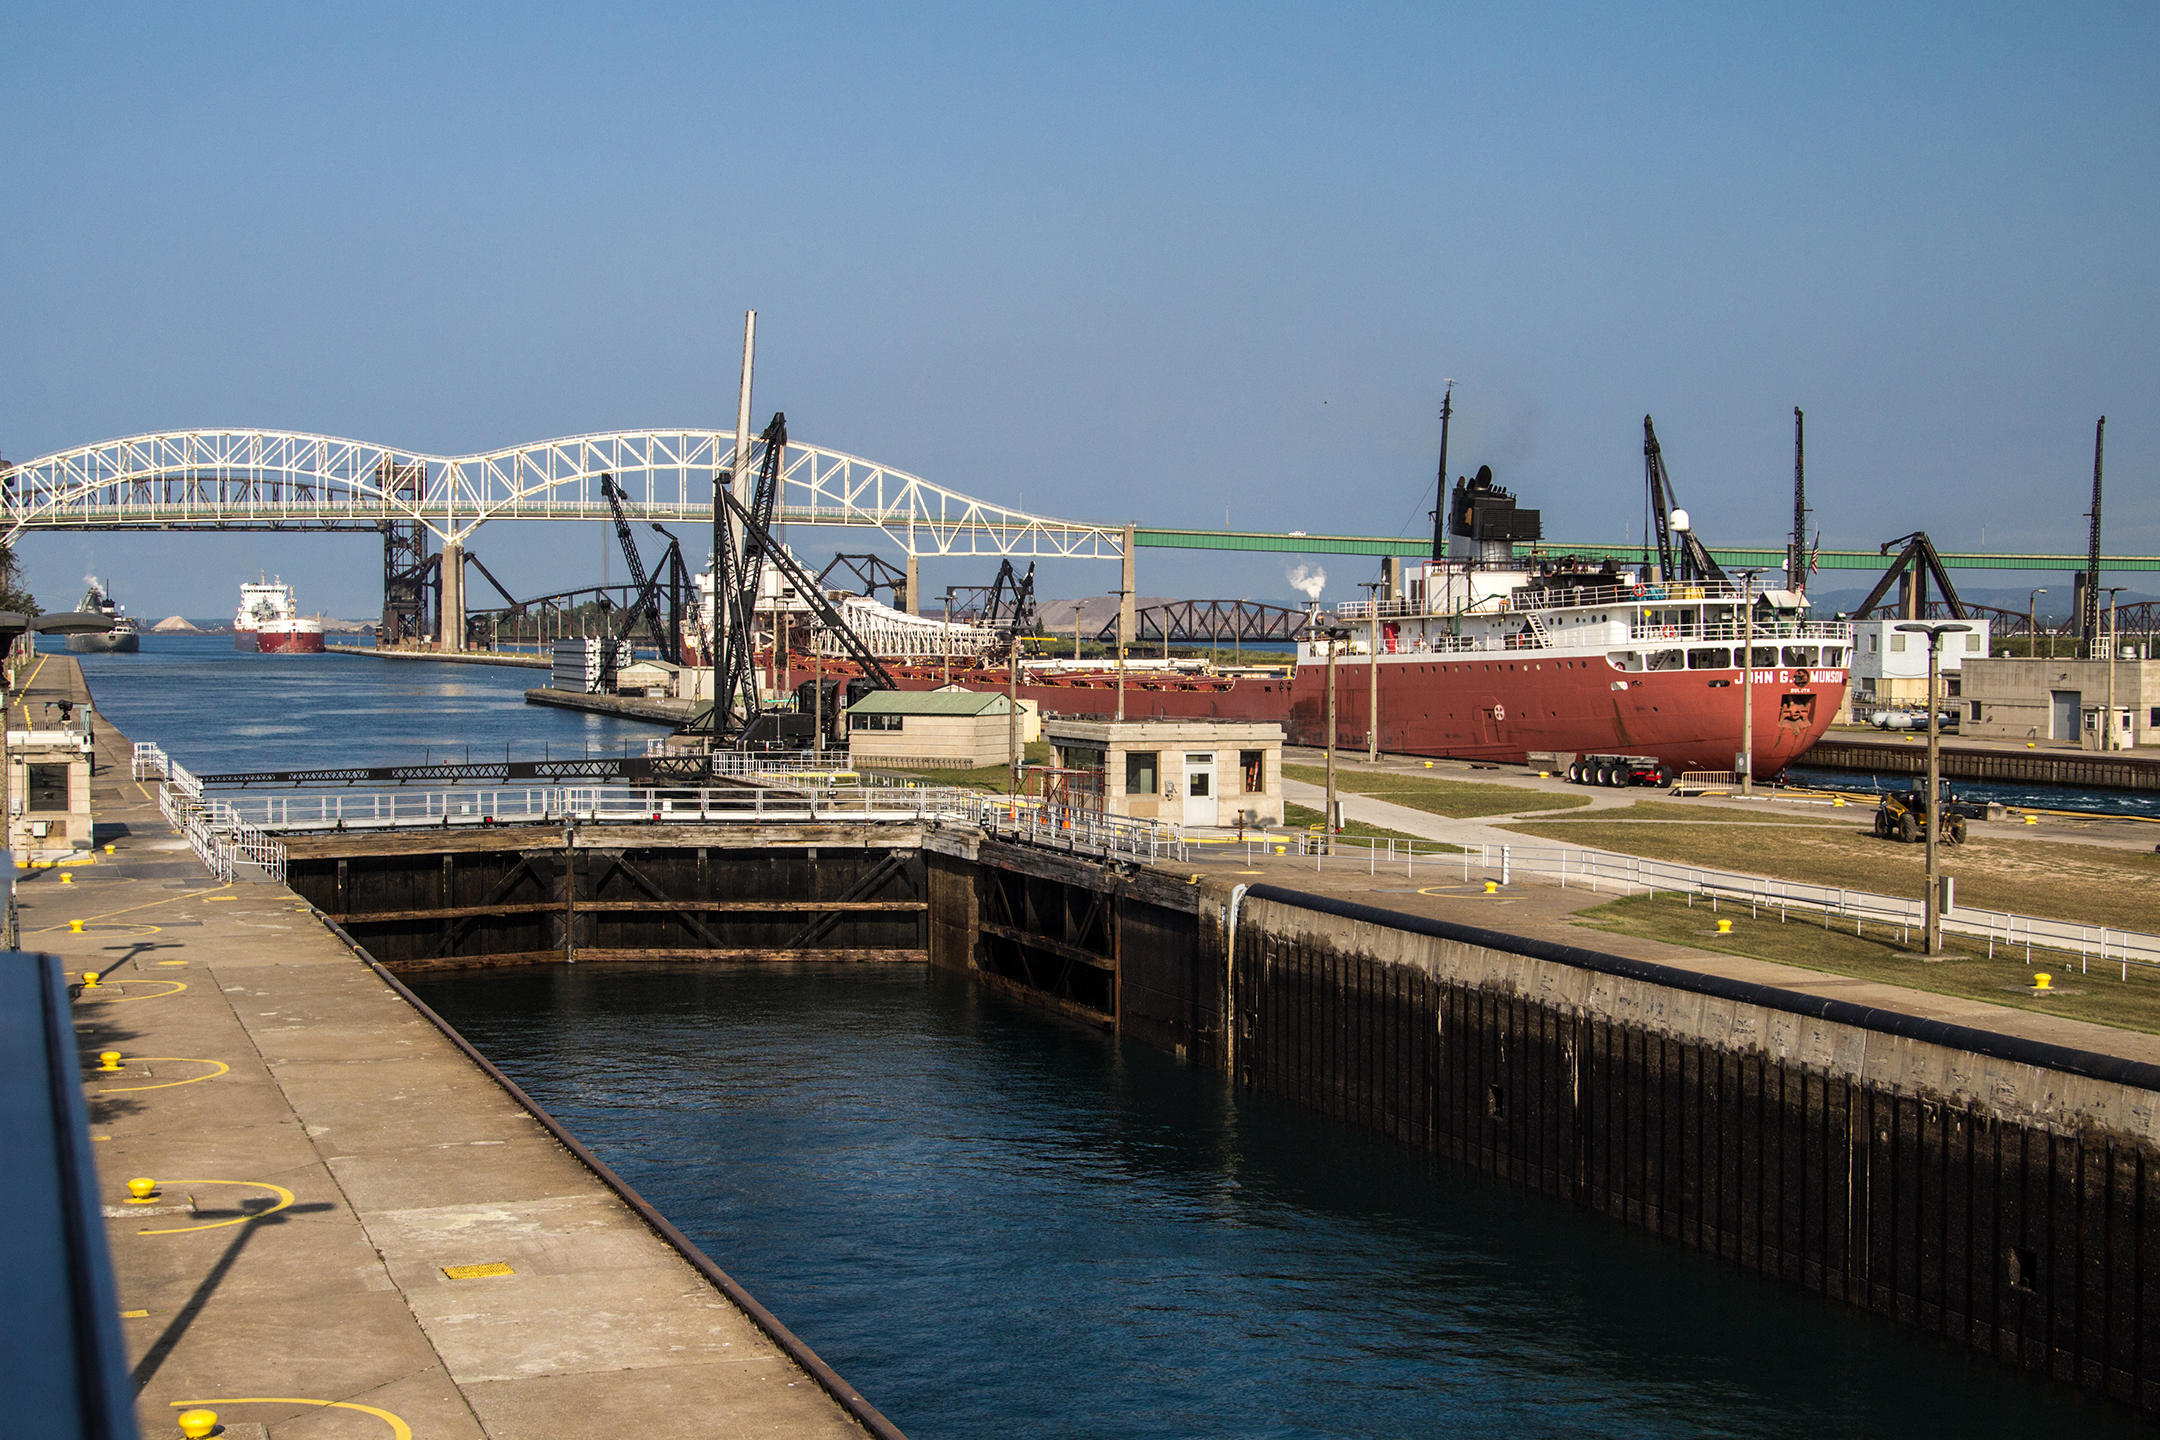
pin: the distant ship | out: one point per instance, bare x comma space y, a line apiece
269, 621
125, 637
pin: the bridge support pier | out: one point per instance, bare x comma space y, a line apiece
910, 602
450, 627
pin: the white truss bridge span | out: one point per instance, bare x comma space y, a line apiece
285, 480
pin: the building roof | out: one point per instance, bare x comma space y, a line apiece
650, 665
930, 702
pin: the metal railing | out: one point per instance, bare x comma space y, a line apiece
1599, 870
224, 840
1080, 832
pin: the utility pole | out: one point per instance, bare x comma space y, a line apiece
1334, 638
1012, 724
2110, 737
2032, 624
1121, 594
945, 635
1747, 681
1931, 902
1372, 590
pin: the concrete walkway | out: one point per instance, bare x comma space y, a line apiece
327, 1161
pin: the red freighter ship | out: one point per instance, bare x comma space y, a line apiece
1488, 654
1494, 656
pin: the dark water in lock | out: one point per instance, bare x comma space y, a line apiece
2019, 793
996, 1224
1001, 1225
214, 708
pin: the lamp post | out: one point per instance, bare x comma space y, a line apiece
1932, 900
1372, 669
1334, 635
945, 635
1747, 680
2032, 621
2110, 737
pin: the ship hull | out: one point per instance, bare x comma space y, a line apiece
104, 644
1094, 694
279, 642
1505, 710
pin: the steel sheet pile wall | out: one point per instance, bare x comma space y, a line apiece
1996, 1192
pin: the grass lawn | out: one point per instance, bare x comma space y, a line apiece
1456, 799
2101, 996
1661, 811
2084, 883
1302, 817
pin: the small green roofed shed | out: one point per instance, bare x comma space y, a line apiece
931, 702
922, 728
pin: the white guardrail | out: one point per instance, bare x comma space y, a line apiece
231, 832
2103, 945
223, 839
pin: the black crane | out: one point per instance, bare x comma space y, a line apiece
666, 630
1694, 564
1916, 565
2087, 583
1796, 553
738, 713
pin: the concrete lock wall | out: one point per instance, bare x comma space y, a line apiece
1998, 1193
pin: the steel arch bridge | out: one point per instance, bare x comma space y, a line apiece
285, 480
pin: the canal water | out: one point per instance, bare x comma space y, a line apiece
214, 708
2024, 795
997, 1224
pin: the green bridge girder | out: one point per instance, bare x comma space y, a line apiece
1418, 547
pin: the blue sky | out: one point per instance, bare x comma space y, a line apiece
1149, 263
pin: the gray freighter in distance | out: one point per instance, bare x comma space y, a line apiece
125, 637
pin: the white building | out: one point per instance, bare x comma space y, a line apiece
1890, 667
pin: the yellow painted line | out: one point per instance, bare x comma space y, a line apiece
218, 899
398, 1428
170, 962
285, 1198
131, 909
222, 1069
177, 987
485, 1271
134, 1314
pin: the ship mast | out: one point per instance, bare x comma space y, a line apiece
1440, 495
1796, 553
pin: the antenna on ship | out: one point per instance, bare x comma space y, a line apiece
1440, 496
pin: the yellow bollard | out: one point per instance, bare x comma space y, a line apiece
1724, 927
66, 878
2043, 981
1492, 887
1428, 764
1837, 803
2032, 819
108, 1060
2030, 746
142, 1191
1282, 849
75, 927
89, 977
198, 1424
110, 848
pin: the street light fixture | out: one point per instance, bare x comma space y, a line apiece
1372, 589
1334, 633
1747, 679
1121, 637
2032, 622
1931, 944
2110, 737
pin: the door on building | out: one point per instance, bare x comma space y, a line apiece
2063, 706
1200, 788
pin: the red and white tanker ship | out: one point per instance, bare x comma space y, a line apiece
269, 620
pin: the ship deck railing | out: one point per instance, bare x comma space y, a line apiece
2112, 950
